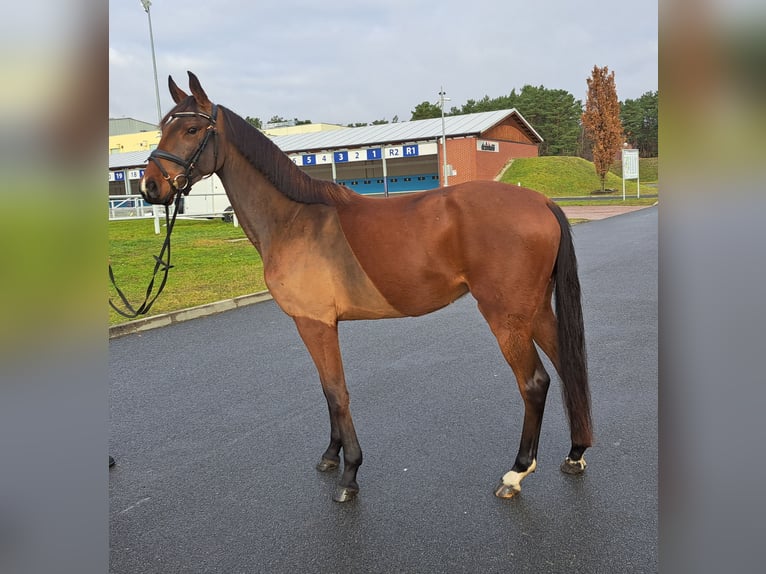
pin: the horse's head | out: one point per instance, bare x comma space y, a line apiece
188, 148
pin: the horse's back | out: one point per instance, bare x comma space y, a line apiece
501, 208
424, 250
501, 221
449, 221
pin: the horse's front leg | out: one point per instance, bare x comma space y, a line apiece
321, 340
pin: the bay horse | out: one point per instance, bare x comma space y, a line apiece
330, 254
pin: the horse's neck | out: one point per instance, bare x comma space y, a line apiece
261, 209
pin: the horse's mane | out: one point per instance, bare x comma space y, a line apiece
279, 169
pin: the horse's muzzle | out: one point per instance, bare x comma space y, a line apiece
152, 193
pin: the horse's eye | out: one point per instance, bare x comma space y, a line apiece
191, 131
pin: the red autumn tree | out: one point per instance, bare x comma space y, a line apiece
601, 120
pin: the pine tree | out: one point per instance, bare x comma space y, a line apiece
426, 110
640, 121
601, 120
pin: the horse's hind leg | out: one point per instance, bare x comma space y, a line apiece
515, 339
544, 334
322, 343
533, 383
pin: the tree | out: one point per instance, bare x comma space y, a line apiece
486, 104
254, 122
640, 121
554, 114
425, 111
601, 120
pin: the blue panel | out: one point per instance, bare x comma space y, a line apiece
340, 156
417, 182
410, 150
364, 186
374, 153
396, 184
310, 159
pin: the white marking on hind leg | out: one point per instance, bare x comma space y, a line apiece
574, 466
513, 478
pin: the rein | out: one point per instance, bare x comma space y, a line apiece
160, 263
181, 184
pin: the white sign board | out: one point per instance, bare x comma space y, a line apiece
630, 169
630, 164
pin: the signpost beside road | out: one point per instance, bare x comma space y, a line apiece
630, 169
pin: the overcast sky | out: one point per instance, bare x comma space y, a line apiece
363, 60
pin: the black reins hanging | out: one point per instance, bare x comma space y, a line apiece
160, 264
181, 184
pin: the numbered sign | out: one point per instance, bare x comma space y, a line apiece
364, 154
402, 151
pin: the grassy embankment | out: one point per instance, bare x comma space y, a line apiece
576, 177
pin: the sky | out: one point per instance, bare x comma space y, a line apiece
347, 62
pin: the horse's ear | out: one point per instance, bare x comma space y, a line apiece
196, 89
176, 93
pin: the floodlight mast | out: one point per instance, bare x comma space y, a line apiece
146, 4
442, 99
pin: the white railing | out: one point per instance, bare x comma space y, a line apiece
122, 207
129, 207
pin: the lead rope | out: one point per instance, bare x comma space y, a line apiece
160, 263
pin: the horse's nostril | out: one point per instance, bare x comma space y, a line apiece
149, 189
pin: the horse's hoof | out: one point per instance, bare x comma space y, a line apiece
506, 491
344, 494
570, 466
326, 464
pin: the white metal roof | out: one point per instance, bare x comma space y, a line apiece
418, 130
128, 159
122, 126
413, 131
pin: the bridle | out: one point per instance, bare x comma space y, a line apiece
181, 184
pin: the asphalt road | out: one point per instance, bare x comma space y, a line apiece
217, 424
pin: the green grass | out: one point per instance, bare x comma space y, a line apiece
212, 261
574, 177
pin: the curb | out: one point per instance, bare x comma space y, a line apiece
596, 212
182, 315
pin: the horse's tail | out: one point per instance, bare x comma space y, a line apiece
572, 368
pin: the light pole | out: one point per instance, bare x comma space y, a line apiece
146, 4
443, 99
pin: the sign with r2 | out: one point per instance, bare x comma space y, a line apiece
403, 151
